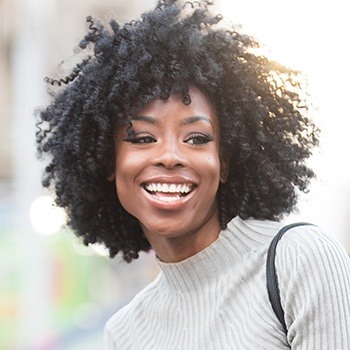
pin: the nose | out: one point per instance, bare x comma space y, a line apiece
170, 155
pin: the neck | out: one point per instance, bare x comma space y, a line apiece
174, 249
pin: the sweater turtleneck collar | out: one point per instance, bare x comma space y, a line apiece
239, 238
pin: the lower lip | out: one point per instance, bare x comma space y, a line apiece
171, 205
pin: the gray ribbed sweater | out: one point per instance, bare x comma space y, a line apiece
217, 299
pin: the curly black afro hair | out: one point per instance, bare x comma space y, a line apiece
265, 129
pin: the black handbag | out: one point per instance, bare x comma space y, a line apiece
271, 276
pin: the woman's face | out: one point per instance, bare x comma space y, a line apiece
168, 171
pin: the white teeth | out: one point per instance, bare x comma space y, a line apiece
168, 188
169, 199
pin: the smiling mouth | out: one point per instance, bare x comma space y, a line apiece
167, 192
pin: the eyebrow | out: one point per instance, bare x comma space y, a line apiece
185, 121
144, 118
195, 119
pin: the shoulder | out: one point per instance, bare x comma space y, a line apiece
310, 241
313, 272
125, 318
309, 261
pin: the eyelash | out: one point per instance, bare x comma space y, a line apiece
195, 139
142, 139
199, 139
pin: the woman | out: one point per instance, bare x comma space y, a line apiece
176, 135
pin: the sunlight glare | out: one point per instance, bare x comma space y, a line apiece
46, 218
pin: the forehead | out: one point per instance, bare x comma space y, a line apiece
200, 108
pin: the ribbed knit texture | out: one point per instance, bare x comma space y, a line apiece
217, 299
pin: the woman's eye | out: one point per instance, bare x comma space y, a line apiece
141, 139
199, 139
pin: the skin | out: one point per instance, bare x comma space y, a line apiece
179, 145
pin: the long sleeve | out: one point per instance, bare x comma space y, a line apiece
315, 290
217, 299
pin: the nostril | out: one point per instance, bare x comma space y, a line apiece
168, 165
170, 161
169, 155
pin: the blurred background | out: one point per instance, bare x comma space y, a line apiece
56, 293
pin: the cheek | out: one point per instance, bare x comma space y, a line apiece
125, 161
209, 167
128, 166
123, 175
124, 190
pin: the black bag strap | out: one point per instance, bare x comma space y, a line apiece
271, 275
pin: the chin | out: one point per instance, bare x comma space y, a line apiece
167, 230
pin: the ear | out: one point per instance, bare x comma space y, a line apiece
224, 168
